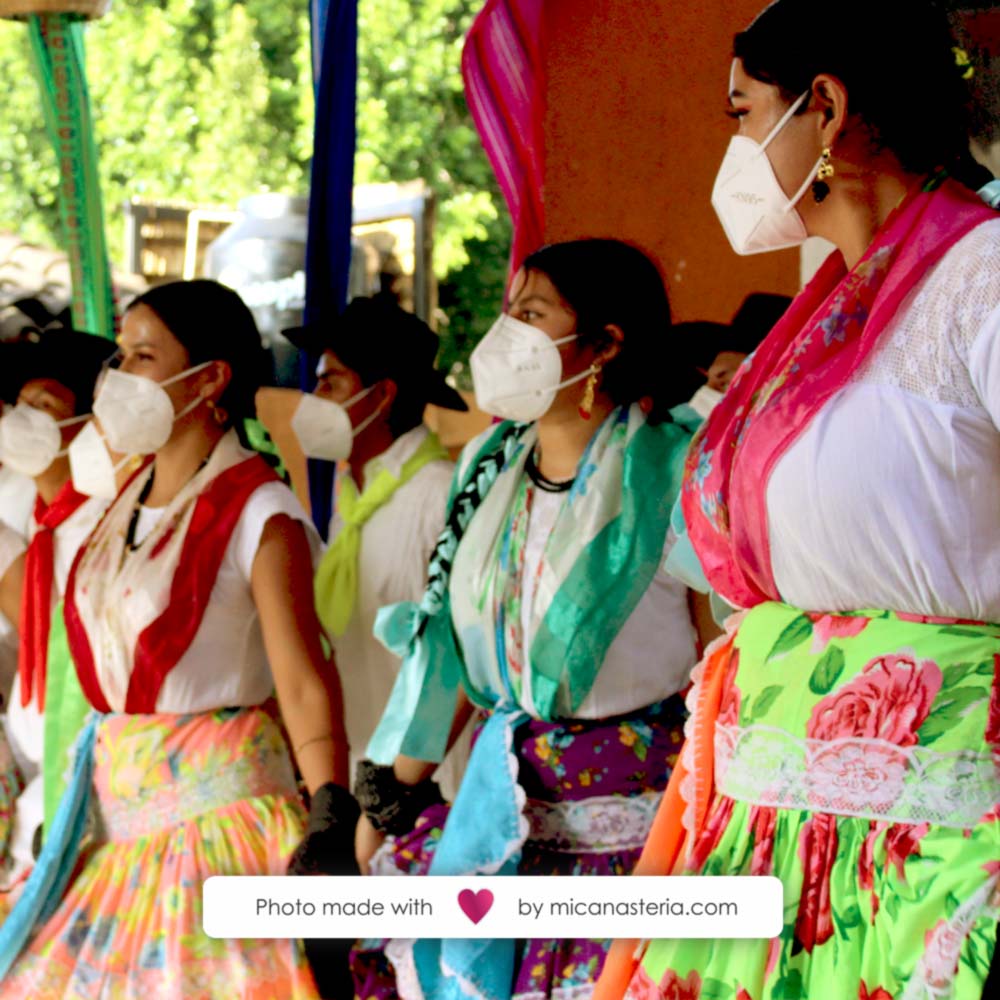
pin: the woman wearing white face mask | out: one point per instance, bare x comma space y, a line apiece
547, 608
375, 377
844, 734
51, 381
188, 607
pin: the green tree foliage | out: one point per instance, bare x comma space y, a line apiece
413, 122
211, 100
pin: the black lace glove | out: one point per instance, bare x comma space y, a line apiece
391, 806
328, 846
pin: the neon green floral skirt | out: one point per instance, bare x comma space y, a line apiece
857, 757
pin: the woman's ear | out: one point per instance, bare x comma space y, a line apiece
389, 391
215, 379
829, 97
616, 339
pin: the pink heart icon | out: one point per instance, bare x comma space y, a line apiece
475, 905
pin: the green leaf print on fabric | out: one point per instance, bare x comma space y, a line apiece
958, 672
827, 671
763, 701
794, 634
846, 919
789, 985
949, 710
714, 989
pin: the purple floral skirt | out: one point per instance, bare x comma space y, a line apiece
592, 788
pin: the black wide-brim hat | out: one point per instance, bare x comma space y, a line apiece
377, 339
67, 356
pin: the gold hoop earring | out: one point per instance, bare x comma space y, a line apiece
820, 187
587, 403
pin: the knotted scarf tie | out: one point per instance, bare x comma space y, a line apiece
336, 584
36, 604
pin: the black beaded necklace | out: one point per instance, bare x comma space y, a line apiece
544, 484
133, 525
130, 543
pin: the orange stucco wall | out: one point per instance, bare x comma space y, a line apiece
634, 135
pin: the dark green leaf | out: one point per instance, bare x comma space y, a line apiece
794, 634
948, 712
827, 671
764, 701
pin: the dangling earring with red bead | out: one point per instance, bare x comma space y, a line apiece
587, 403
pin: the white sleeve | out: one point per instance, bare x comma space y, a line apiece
434, 484
265, 502
984, 364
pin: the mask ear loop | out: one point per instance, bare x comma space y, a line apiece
198, 400
371, 416
69, 421
357, 397
806, 184
63, 452
185, 373
123, 461
782, 122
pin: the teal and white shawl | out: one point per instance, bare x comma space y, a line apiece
602, 555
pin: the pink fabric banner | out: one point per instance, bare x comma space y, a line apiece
502, 64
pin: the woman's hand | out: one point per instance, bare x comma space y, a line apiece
367, 840
326, 847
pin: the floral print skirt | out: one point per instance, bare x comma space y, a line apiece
10, 787
592, 790
179, 798
857, 757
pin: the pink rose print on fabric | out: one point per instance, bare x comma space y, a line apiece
641, 987
672, 987
879, 993
942, 947
866, 866
993, 716
905, 616
773, 954
762, 822
709, 837
889, 700
817, 851
729, 704
827, 627
992, 868
902, 841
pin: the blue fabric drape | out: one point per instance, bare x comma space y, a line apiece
328, 244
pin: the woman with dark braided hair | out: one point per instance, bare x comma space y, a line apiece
845, 732
549, 610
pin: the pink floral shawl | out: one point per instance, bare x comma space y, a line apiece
827, 333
